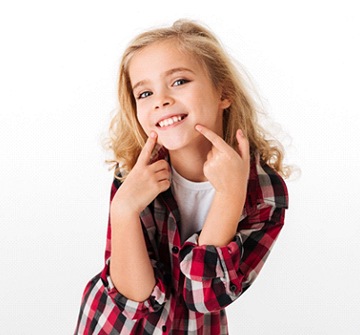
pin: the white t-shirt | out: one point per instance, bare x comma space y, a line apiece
194, 200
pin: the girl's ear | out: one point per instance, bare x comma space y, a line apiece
224, 102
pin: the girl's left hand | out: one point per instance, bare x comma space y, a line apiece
226, 169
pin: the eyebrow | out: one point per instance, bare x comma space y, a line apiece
166, 74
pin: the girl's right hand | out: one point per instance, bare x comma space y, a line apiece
143, 183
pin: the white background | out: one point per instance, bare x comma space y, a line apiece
58, 72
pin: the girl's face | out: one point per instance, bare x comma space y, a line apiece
173, 93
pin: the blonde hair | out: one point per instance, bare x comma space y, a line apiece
126, 134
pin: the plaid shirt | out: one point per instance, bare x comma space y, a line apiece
193, 283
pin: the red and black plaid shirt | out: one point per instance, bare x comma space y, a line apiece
193, 283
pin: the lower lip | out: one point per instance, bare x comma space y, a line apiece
172, 125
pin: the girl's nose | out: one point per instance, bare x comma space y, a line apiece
163, 100
162, 104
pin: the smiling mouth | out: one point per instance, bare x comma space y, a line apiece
170, 121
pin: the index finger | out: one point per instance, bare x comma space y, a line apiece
148, 148
214, 138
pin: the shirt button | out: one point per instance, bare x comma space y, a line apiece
175, 250
233, 288
163, 328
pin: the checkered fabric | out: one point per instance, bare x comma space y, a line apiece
194, 283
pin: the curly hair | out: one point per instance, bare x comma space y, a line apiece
126, 134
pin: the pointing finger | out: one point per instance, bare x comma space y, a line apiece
214, 138
243, 144
148, 148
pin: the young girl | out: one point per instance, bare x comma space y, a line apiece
197, 200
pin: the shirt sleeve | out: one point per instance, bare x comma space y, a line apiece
133, 309
216, 276
130, 308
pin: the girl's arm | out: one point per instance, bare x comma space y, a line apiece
131, 270
228, 171
215, 276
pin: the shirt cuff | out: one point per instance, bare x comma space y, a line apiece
134, 309
201, 263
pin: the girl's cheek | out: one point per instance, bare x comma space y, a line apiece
144, 127
140, 119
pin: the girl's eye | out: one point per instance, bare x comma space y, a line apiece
180, 82
144, 95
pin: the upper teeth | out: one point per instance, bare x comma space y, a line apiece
170, 121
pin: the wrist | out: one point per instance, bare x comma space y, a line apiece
235, 198
233, 204
123, 211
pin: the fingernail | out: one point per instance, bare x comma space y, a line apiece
241, 133
198, 127
152, 134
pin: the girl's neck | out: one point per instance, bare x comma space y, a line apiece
189, 162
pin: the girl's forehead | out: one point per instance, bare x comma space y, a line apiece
163, 55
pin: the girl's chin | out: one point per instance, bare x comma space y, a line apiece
170, 147
173, 144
